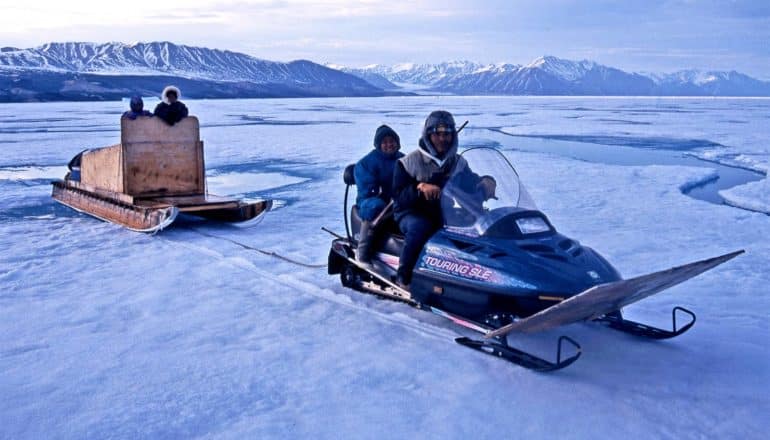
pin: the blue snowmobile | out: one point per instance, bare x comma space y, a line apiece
499, 266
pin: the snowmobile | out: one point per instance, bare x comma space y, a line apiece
499, 267
143, 183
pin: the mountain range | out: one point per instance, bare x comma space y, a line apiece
550, 75
89, 71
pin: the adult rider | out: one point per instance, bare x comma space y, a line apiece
418, 181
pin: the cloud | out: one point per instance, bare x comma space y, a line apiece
379, 31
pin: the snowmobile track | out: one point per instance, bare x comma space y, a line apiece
398, 318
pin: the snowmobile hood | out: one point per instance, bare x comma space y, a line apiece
552, 265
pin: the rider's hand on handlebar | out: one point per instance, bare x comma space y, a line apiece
489, 186
429, 191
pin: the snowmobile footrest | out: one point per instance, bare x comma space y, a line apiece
638, 329
522, 358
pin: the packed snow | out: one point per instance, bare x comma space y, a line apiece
106, 332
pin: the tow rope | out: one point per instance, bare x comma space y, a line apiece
261, 251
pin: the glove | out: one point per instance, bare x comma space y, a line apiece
488, 185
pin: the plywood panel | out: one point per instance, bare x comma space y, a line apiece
159, 159
101, 168
150, 129
101, 192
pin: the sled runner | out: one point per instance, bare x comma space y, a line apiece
143, 183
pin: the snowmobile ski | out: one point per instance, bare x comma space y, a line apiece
606, 298
614, 321
504, 350
522, 358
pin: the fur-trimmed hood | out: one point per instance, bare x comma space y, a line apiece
167, 89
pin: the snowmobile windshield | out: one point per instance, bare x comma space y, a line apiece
483, 189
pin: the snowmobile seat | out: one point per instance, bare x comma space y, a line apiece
355, 221
74, 167
391, 240
394, 243
388, 226
349, 175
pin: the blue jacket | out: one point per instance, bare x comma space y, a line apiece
133, 115
374, 177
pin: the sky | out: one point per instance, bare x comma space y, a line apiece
638, 36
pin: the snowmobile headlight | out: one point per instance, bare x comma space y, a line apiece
532, 225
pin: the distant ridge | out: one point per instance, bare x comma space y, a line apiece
550, 75
108, 71
90, 71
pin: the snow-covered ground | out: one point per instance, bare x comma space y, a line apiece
109, 333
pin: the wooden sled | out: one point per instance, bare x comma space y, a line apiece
156, 172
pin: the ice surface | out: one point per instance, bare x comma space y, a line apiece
754, 196
239, 183
109, 333
30, 173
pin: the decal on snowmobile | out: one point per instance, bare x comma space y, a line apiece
390, 260
442, 251
470, 271
461, 231
460, 268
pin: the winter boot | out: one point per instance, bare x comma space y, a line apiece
366, 236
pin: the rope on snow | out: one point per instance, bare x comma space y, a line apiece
262, 251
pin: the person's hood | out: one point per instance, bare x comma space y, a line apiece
436, 118
379, 135
137, 105
166, 90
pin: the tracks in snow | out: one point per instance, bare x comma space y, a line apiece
398, 318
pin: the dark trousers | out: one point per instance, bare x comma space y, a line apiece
417, 230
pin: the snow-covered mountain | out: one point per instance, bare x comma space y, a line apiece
710, 83
89, 71
212, 73
369, 76
149, 58
423, 74
550, 75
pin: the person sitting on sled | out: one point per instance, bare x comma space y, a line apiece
137, 108
374, 180
418, 181
170, 109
